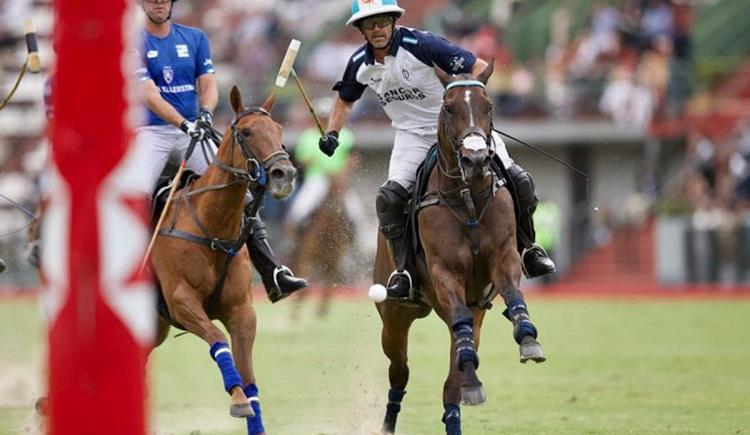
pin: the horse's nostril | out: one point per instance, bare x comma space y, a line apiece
278, 174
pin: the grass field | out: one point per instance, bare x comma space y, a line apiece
646, 367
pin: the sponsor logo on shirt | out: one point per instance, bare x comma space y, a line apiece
208, 62
405, 73
176, 89
168, 74
457, 64
401, 94
375, 80
182, 50
151, 54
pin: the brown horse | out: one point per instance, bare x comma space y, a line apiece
467, 228
204, 220
323, 241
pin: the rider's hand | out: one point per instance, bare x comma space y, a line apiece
206, 117
329, 142
195, 130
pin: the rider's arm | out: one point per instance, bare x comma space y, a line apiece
208, 92
339, 114
159, 105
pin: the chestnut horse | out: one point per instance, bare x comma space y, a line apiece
467, 228
204, 223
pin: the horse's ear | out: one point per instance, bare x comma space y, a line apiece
236, 99
270, 101
444, 77
485, 75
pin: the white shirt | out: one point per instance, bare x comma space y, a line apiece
406, 84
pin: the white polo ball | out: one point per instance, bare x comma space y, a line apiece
377, 293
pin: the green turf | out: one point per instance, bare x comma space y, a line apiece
614, 368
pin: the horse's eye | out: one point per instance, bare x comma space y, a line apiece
246, 132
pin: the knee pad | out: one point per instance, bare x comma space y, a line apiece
390, 205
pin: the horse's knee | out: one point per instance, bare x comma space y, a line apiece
189, 312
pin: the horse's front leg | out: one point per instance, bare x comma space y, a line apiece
506, 274
463, 384
241, 323
187, 310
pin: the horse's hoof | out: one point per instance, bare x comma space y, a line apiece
473, 395
531, 350
241, 410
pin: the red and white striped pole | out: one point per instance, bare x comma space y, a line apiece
100, 310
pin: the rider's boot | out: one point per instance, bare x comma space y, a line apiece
535, 261
277, 278
391, 204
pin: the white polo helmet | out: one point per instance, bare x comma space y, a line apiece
367, 8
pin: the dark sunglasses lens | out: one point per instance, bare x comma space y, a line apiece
381, 22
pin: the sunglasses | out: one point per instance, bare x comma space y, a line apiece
382, 21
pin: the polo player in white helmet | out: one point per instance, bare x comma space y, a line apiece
397, 63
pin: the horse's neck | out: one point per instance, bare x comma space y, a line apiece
220, 210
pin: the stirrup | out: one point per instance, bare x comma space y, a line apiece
402, 272
412, 299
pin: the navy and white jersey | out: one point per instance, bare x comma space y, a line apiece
174, 63
406, 84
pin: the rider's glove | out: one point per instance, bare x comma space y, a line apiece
329, 142
193, 129
206, 118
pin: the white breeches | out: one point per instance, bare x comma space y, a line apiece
410, 150
154, 145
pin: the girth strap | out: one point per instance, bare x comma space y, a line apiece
452, 204
215, 244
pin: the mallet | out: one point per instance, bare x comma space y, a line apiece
35, 64
287, 68
32, 62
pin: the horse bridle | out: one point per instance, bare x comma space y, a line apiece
256, 168
458, 142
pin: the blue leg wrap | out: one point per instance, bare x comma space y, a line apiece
452, 419
254, 424
395, 396
463, 332
519, 315
223, 356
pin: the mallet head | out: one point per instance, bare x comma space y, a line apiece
288, 63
